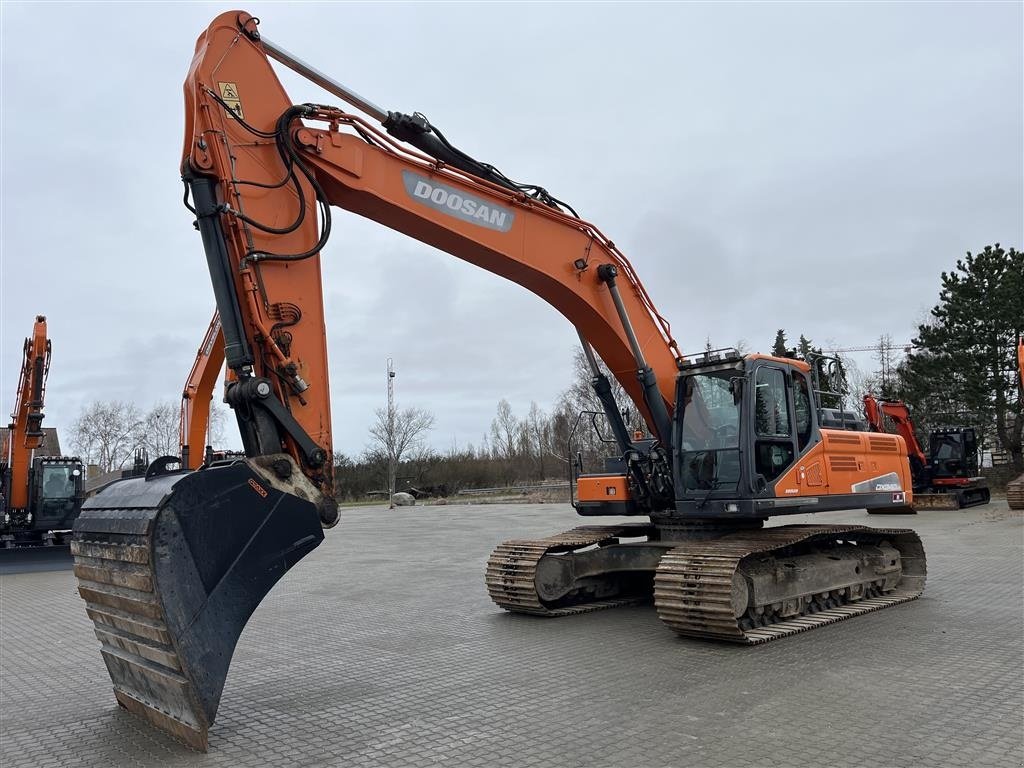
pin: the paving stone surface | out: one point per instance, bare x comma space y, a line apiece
382, 649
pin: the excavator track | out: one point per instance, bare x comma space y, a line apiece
512, 569
694, 583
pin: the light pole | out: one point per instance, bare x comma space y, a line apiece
392, 469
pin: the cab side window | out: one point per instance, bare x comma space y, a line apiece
771, 409
802, 407
773, 450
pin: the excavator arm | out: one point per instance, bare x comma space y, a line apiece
1020, 360
25, 433
195, 399
875, 410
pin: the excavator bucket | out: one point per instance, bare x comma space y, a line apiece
171, 566
947, 501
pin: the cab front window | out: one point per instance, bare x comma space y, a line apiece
58, 482
710, 433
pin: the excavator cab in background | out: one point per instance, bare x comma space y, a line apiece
953, 453
171, 565
55, 496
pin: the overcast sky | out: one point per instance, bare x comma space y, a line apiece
810, 167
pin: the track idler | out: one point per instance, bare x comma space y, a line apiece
172, 566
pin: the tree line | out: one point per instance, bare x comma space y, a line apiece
107, 433
530, 448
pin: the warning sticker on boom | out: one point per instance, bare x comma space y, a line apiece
229, 93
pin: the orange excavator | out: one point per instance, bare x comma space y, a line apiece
40, 495
195, 399
172, 565
944, 478
1015, 488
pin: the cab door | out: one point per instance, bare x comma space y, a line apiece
774, 426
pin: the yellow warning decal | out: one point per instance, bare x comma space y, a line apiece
229, 93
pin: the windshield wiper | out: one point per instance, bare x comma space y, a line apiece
714, 487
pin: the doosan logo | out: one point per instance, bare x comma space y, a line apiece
457, 203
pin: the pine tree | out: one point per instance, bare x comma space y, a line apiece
964, 358
779, 347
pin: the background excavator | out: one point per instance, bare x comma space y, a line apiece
1015, 488
946, 477
195, 400
40, 495
171, 565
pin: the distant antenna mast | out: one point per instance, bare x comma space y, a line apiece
392, 469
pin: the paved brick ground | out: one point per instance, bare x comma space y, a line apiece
382, 649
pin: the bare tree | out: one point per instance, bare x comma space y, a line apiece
107, 433
161, 430
505, 431
858, 384
538, 427
395, 433
887, 361
217, 429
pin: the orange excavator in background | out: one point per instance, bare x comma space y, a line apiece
172, 565
944, 478
196, 397
1015, 488
40, 496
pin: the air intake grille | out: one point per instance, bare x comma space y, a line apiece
883, 444
844, 439
842, 463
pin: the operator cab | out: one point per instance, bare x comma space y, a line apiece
741, 422
57, 490
953, 452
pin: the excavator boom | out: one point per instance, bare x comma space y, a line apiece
25, 433
195, 399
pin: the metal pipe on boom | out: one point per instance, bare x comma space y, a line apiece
414, 129
328, 83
